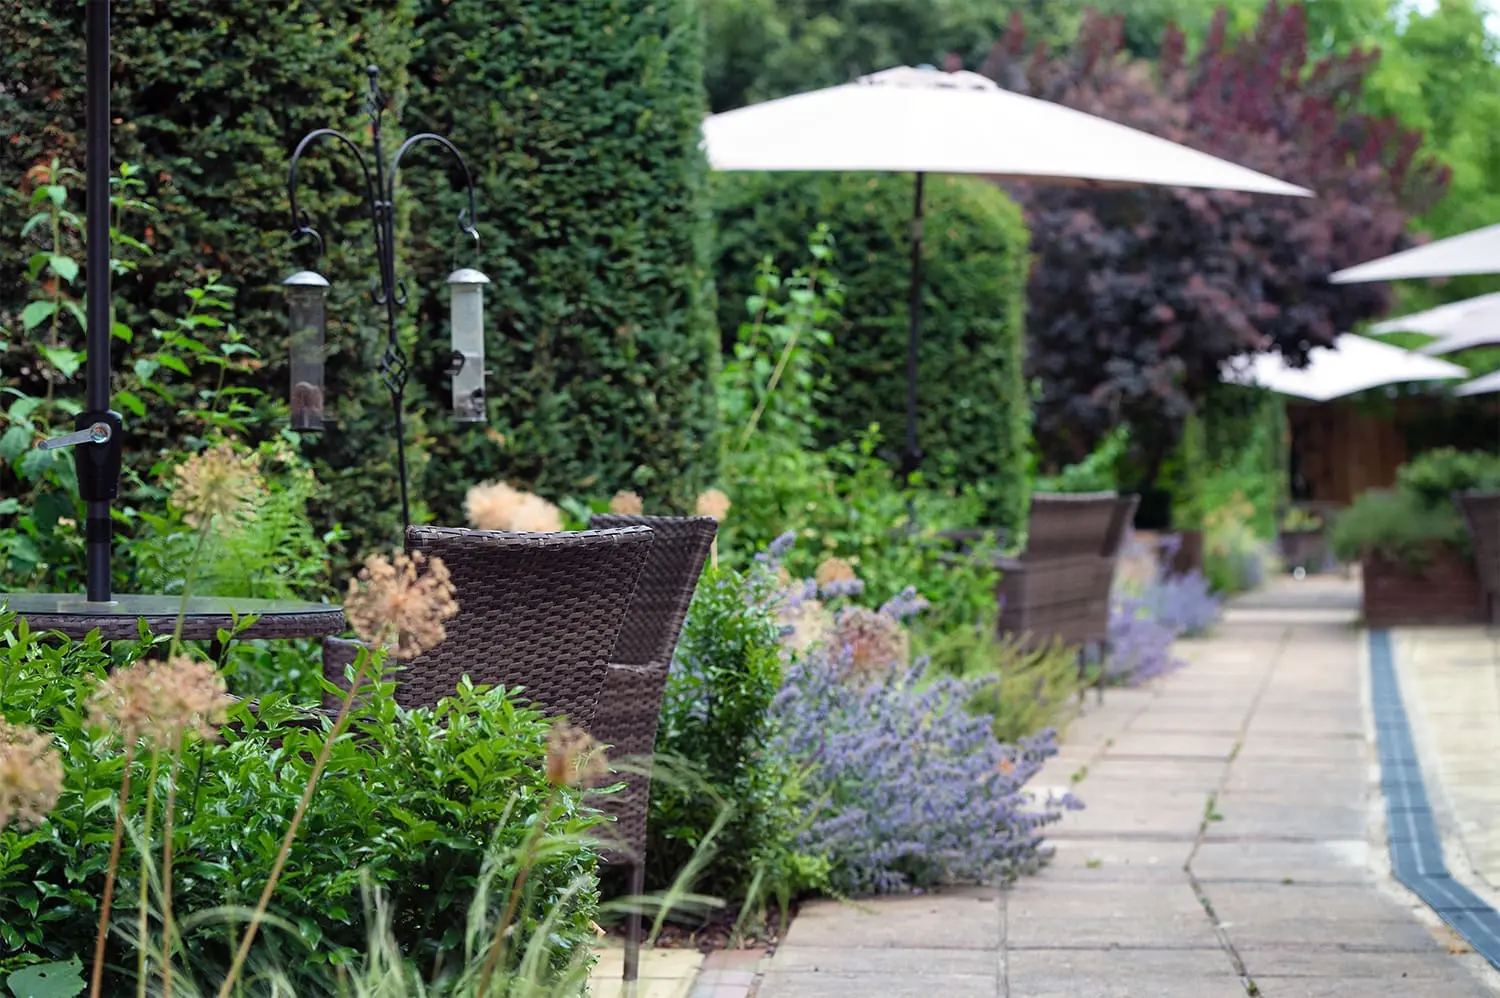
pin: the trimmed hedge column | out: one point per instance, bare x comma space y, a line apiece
975, 412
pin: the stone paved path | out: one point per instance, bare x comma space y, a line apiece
1230, 847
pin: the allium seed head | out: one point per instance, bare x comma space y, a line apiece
397, 604
218, 482
31, 776
627, 503
714, 503
497, 506
574, 758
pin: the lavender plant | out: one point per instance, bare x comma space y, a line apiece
1185, 604
1140, 645
914, 788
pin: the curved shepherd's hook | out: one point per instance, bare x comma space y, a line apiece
467, 215
301, 222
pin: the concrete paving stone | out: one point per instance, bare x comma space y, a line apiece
1116, 973
1320, 749
1337, 987
1247, 816
777, 984
1177, 815
866, 960
1292, 963
1145, 744
1330, 903
1344, 861
956, 920
1150, 774
646, 987
1094, 861
1299, 780
1049, 915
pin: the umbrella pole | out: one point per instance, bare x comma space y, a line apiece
98, 461
912, 458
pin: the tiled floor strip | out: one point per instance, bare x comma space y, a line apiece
1416, 848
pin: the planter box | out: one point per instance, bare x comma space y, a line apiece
1481, 512
1444, 589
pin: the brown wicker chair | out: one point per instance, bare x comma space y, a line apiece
1481, 511
539, 611
630, 706
1059, 587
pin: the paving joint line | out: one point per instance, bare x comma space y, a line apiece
1225, 943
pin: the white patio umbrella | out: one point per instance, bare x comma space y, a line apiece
1480, 386
1352, 364
1476, 252
1453, 318
907, 120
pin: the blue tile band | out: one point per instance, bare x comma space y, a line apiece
1416, 849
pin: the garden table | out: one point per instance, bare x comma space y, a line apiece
205, 616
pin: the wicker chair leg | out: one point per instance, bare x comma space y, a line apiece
633, 926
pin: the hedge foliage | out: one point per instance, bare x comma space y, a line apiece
209, 100
580, 122
975, 413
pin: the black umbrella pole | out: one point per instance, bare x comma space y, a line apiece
98, 463
912, 459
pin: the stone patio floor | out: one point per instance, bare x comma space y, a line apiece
1232, 846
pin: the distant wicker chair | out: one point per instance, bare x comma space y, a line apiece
636, 679
539, 611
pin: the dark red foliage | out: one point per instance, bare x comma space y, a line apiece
1139, 295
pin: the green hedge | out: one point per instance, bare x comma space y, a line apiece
975, 413
210, 99
581, 120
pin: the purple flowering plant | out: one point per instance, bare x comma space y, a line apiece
909, 786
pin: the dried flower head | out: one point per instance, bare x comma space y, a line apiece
218, 482
161, 701
833, 570
497, 506
714, 503
627, 503
31, 776
875, 642
808, 622
397, 604
783, 577
123, 703
574, 758
190, 697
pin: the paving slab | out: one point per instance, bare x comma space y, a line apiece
1115, 973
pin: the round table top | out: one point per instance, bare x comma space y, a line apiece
202, 618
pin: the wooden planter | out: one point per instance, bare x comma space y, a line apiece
1481, 512
1442, 589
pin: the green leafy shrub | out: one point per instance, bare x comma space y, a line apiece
715, 720
411, 806
975, 412
1024, 689
842, 500
1396, 525
1432, 478
1095, 473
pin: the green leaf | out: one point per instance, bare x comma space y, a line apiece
36, 463
57, 192
172, 363
145, 368
15, 442
66, 361
36, 313
120, 331
63, 266
131, 402
9, 507
58, 979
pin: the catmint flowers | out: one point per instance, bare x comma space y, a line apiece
396, 603
31, 776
